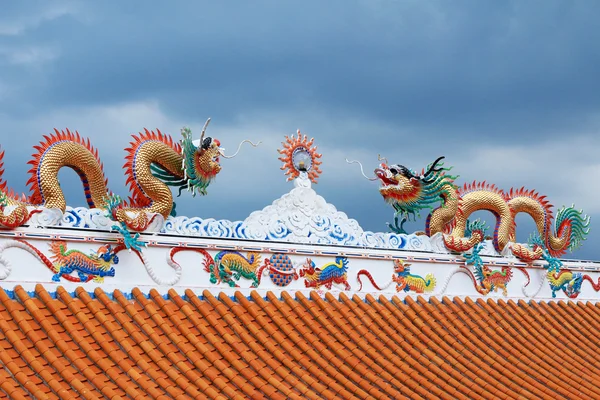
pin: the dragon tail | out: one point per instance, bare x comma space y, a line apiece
523, 253
368, 275
208, 260
474, 234
571, 227
36, 253
16, 217
261, 269
21, 244
429, 283
467, 271
595, 285
19, 215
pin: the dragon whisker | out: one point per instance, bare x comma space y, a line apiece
361, 169
222, 151
379, 158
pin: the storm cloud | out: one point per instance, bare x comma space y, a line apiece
507, 91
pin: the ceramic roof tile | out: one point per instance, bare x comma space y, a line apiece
96, 345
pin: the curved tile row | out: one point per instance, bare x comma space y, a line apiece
95, 345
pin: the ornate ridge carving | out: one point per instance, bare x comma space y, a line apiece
300, 216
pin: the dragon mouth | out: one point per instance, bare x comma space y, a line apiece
385, 178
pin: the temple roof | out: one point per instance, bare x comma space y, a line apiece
180, 345
295, 301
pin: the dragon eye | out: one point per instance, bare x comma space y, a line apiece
393, 171
405, 171
206, 143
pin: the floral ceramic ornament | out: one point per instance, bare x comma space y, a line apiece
299, 155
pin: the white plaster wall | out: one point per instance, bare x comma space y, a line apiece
19, 267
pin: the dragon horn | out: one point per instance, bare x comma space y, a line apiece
222, 151
433, 168
204, 131
379, 158
361, 169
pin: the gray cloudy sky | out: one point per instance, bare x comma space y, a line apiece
507, 91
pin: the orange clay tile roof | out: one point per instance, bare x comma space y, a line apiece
82, 345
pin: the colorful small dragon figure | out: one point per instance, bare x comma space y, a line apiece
94, 266
154, 162
403, 278
494, 279
326, 275
229, 266
567, 281
410, 192
485, 279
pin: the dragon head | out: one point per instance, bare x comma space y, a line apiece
409, 192
486, 271
201, 159
107, 254
200, 162
307, 269
400, 266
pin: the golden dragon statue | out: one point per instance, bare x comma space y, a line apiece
154, 163
450, 206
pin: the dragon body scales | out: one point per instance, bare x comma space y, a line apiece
153, 163
410, 192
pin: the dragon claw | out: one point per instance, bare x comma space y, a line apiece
398, 228
130, 242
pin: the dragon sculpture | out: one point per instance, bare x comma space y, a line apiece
229, 266
494, 279
567, 281
63, 262
326, 275
485, 279
403, 279
153, 163
559, 279
409, 192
